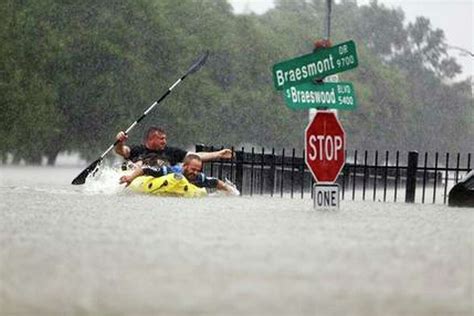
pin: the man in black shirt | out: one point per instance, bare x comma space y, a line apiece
155, 151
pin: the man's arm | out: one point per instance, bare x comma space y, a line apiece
214, 155
221, 186
127, 179
139, 171
121, 148
228, 188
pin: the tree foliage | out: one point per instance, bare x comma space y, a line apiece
73, 73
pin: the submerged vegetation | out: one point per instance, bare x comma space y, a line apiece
74, 73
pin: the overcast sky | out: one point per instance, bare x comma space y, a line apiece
454, 17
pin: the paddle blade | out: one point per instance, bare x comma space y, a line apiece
81, 178
198, 63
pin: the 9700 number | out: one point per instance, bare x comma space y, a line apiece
345, 61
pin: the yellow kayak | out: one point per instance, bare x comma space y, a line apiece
173, 184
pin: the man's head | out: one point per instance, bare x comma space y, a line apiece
155, 138
192, 165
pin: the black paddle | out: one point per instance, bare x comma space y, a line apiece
81, 178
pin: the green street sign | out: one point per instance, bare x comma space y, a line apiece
324, 62
333, 95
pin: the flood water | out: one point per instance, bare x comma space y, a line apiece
98, 250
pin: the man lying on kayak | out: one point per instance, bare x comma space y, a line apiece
191, 170
155, 151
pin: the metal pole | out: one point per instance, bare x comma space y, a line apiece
328, 19
239, 171
312, 112
412, 169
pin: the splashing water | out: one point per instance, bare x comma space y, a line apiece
104, 181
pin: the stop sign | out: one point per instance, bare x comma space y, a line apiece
325, 147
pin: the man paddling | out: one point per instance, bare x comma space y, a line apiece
191, 170
154, 150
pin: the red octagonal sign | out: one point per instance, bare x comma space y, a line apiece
325, 147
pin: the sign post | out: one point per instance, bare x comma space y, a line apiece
305, 83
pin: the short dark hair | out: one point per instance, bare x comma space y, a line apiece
190, 157
152, 130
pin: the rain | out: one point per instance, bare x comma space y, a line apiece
76, 239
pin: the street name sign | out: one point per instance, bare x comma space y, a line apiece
325, 147
326, 196
316, 65
332, 95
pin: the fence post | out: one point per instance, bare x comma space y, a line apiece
239, 170
199, 147
411, 177
272, 173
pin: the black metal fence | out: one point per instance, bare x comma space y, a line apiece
377, 176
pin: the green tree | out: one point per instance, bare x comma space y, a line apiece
72, 74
